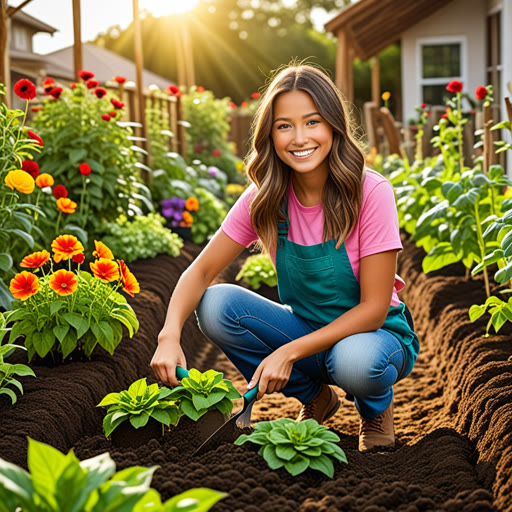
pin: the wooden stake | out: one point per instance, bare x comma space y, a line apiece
3, 43
77, 36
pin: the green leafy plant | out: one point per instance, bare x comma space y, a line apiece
209, 217
17, 224
203, 392
138, 404
296, 446
141, 237
63, 311
7, 370
79, 128
58, 483
258, 269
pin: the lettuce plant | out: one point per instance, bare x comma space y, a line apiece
58, 483
203, 392
296, 446
7, 370
139, 403
257, 270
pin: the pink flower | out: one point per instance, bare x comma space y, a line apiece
216, 152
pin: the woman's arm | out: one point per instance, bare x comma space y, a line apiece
376, 277
219, 252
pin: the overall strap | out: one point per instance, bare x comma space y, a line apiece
282, 227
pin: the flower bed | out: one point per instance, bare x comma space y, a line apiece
452, 414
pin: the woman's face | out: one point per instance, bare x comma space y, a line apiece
302, 137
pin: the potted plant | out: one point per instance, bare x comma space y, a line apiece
179, 215
138, 414
205, 399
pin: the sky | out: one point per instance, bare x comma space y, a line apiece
97, 16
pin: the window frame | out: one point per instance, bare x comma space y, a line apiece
439, 40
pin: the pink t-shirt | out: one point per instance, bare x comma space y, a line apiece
376, 229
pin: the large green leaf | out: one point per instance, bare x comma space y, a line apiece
80, 323
16, 487
193, 500
439, 257
5, 261
104, 334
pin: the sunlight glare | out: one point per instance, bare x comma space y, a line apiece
165, 7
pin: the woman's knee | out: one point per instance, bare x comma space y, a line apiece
213, 310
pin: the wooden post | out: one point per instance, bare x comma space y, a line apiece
182, 145
77, 35
180, 57
4, 47
376, 80
139, 66
344, 56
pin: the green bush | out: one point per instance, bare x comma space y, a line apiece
257, 270
74, 132
209, 217
141, 237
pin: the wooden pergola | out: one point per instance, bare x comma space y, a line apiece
366, 28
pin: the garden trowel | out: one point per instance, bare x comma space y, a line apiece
228, 431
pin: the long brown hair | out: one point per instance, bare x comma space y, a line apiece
342, 193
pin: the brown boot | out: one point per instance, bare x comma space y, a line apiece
320, 408
377, 432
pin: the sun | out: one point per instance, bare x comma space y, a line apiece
165, 7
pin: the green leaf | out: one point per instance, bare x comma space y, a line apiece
16, 488
60, 331
187, 407
322, 464
298, 465
139, 420
43, 342
78, 322
505, 274
26, 237
10, 394
105, 335
285, 452
22, 370
5, 261
69, 343
56, 306
77, 155
193, 500
110, 399
269, 454
440, 256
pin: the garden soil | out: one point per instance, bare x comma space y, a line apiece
453, 414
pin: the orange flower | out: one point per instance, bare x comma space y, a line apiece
102, 251
24, 285
187, 218
63, 282
192, 204
130, 284
20, 180
105, 270
35, 260
65, 247
66, 205
44, 180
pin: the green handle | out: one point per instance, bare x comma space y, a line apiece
251, 394
181, 373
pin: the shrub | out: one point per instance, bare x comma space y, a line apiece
63, 311
258, 269
138, 404
141, 238
296, 446
203, 392
209, 217
75, 132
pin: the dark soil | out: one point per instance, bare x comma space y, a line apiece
453, 414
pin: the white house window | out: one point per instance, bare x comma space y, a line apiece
20, 39
440, 62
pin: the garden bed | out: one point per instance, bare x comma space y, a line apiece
453, 414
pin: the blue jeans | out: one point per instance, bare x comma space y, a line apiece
248, 327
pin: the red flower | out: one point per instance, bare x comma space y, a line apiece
25, 89
454, 86
198, 148
216, 152
100, 92
113, 113
244, 104
85, 169
60, 191
105, 117
63, 282
35, 137
35, 260
423, 106
172, 89
117, 103
427, 114
91, 84
31, 167
73, 85
85, 75
48, 84
36, 109
120, 79
56, 92
481, 92
78, 258
232, 104
200, 88
444, 116
255, 95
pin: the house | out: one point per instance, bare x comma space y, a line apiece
441, 40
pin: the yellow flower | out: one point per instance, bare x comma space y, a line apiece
44, 180
508, 193
65, 205
235, 189
240, 165
21, 181
386, 95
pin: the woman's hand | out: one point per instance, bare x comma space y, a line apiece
272, 373
167, 356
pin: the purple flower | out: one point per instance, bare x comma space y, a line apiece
213, 171
175, 223
167, 212
177, 216
166, 203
